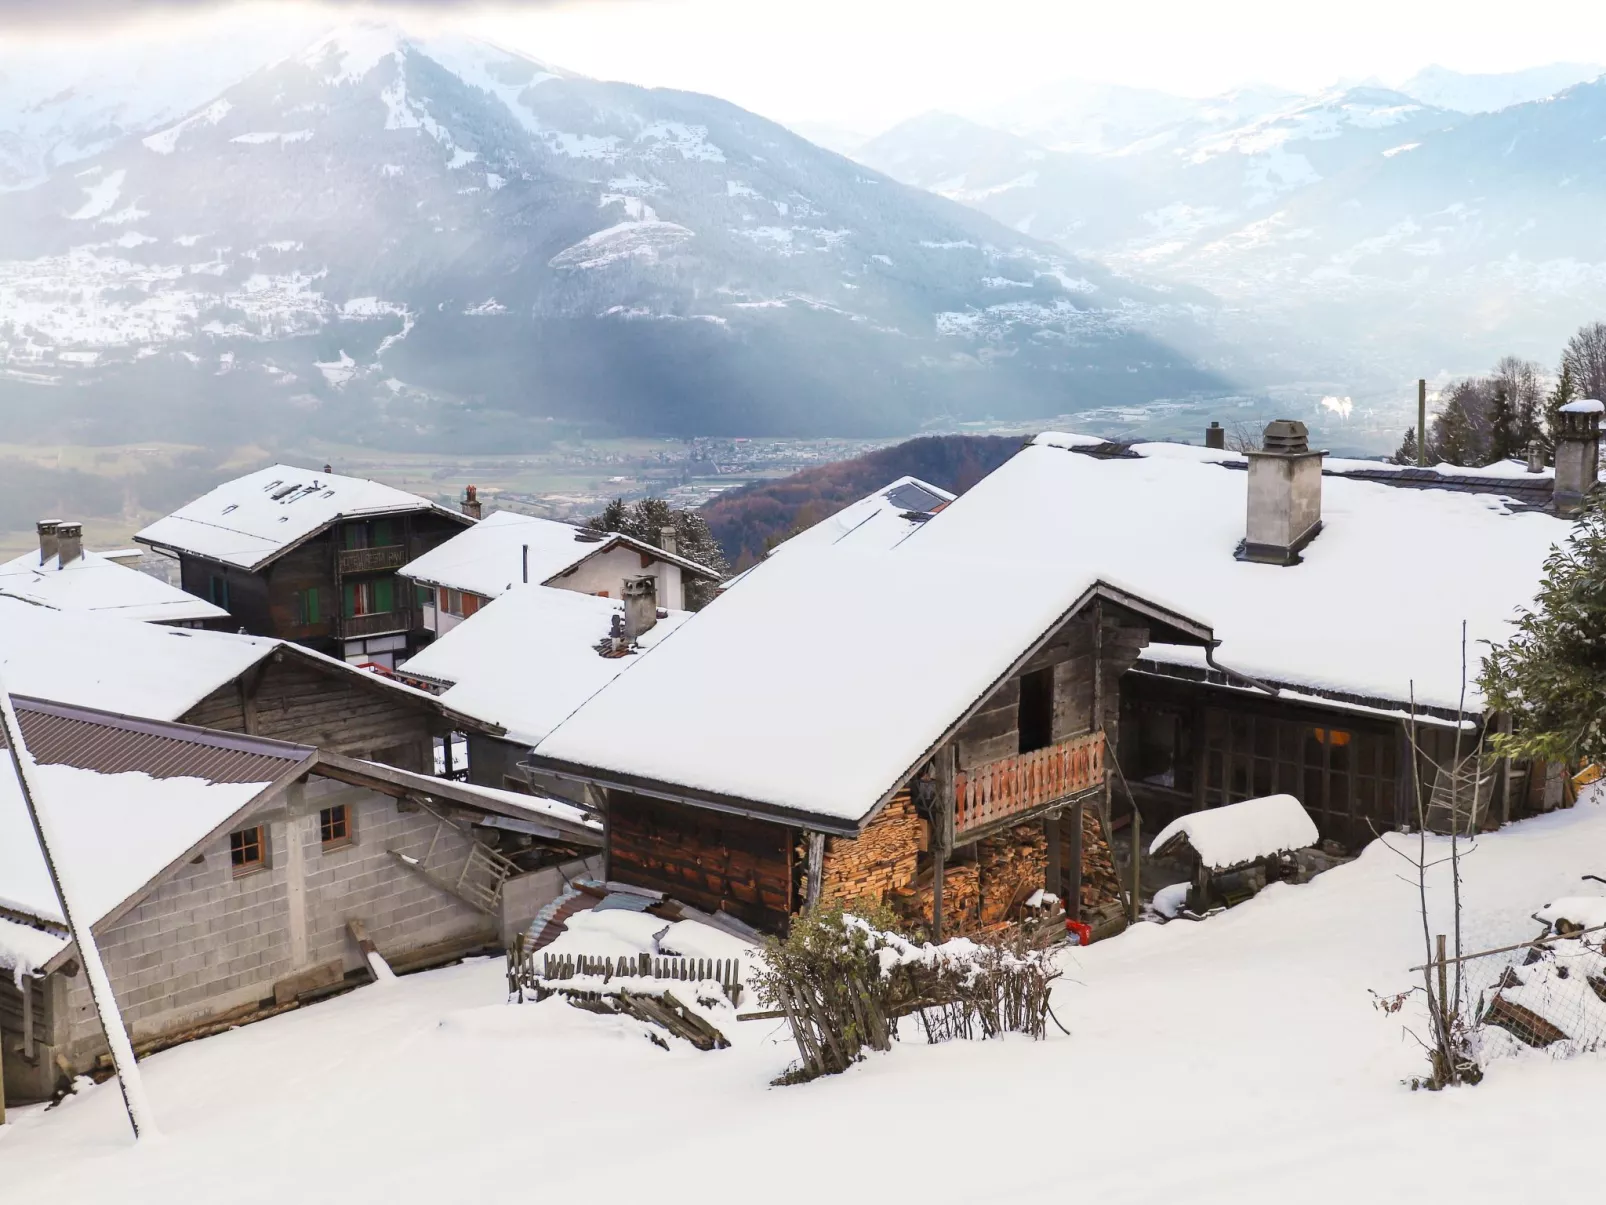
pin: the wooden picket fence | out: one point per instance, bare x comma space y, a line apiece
727, 972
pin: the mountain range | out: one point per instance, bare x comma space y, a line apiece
436, 242
1376, 233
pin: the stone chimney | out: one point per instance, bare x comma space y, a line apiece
1536, 456
1285, 495
668, 541
69, 543
1577, 453
1215, 435
47, 539
471, 502
641, 605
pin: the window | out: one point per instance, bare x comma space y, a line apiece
218, 591
1036, 710
372, 596
426, 596
382, 534
246, 850
355, 535
304, 604
334, 826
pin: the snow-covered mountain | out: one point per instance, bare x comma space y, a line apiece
388, 238
1463, 93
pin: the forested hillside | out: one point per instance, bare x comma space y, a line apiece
750, 520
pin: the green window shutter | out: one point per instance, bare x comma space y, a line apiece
384, 595
298, 608
426, 596
312, 604
382, 533
351, 599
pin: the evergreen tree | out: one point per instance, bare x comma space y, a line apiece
1566, 390
1503, 425
1406, 453
646, 520
1551, 675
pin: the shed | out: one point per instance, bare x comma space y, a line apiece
1238, 848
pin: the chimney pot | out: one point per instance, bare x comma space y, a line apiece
1285, 495
641, 606
47, 539
1536, 456
668, 540
1215, 435
1577, 453
328, 469
471, 502
69, 543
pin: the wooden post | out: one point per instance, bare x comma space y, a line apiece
1054, 878
815, 870
941, 833
1444, 985
1073, 904
1135, 904
1505, 774
1421, 423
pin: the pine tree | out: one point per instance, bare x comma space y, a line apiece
1566, 390
1551, 676
1503, 432
1406, 453
646, 520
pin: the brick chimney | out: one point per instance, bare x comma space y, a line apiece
471, 502
1577, 453
668, 540
47, 539
69, 543
1285, 495
641, 606
1215, 435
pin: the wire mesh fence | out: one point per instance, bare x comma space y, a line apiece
1548, 995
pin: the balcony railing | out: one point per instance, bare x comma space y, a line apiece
352, 626
1014, 786
373, 560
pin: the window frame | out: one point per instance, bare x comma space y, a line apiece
238, 844
331, 817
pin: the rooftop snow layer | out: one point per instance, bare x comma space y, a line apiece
97, 660
530, 658
1376, 605
95, 582
824, 676
488, 558
115, 832
1241, 832
1584, 406
252, 519
879, 519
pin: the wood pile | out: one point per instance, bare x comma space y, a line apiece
881, 860
1100, 882
1012, 866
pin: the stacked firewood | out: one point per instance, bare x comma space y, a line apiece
1013, 865
1100, 882
882, 859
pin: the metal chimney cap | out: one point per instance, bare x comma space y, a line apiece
1286, 435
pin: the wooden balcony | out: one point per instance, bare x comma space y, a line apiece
372, 560
989, 795
353, 626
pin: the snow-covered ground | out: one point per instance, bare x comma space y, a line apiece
1221, 1061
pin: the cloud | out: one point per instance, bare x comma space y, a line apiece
91, 17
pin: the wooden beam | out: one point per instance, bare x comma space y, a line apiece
1054, 876
1073, 903
941, 838
816, 869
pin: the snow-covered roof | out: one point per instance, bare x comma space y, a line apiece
820, 682
251, 520
115, 833
879, 519
488, 558
1586, 405
95, 582
526, 661
1376, 605
1582, 911
1241, 832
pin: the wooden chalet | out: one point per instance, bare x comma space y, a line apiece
882, 727
242, 876
310, 557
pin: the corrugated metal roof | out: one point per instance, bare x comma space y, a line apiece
107, 743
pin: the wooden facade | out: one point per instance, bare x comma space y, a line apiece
1025, 807
336, 592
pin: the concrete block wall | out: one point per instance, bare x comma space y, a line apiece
205, 941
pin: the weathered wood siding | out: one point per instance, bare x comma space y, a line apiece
711, 860
309, 567
294, 700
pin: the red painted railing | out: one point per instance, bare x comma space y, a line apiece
986, 794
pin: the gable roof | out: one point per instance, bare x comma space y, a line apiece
814, 688
488, 558
255, 519
527, 660
879, 519
1376, 604
142, 669
95, 582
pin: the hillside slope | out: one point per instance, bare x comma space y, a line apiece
750, 520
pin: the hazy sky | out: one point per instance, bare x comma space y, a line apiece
864, 64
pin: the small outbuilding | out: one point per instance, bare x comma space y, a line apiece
1238, 848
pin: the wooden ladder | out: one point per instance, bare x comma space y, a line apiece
484, 871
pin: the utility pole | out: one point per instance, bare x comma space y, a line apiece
140, 1116
1421, 423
